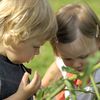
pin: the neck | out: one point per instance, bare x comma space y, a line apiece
2, 50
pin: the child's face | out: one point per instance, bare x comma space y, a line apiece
25, 51
74, 54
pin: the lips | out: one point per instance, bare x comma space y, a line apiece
79, 68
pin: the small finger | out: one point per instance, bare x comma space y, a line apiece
36, 80
25, 78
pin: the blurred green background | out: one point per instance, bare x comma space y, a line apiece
46, 57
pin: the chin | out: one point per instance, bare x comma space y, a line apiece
15, 61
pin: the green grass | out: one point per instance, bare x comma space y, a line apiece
43, 60
46, 57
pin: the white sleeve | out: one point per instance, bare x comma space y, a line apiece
60, 64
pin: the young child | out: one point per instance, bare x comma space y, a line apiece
25, 25
78, 37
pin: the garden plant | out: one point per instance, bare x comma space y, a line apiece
79, 78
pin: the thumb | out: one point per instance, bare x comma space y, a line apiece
25, 79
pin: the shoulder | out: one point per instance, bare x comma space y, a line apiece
0, 89
1, 78
97, 75
3, 62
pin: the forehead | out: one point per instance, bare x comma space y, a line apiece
79, 47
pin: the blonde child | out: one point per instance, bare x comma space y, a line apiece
25, 25
77, 38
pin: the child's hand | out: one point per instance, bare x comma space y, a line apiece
26, 89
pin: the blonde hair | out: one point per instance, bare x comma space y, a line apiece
24, 19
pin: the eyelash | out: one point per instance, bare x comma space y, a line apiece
68, 59
83, 57
35, 47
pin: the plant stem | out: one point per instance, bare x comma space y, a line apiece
56, 92
96, 67
70, 86
95, 88
80, 90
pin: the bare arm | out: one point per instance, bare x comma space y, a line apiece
53, 73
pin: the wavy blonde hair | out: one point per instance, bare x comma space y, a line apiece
24, 19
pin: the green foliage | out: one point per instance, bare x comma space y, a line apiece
51, 91
91, 66
42, 61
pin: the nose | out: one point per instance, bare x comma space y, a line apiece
37, 51
76, 64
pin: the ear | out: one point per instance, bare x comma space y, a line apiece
10, 40
7, 40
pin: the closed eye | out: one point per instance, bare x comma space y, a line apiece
35, 47
83, 57
68, 59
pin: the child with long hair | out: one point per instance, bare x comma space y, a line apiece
78, 37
